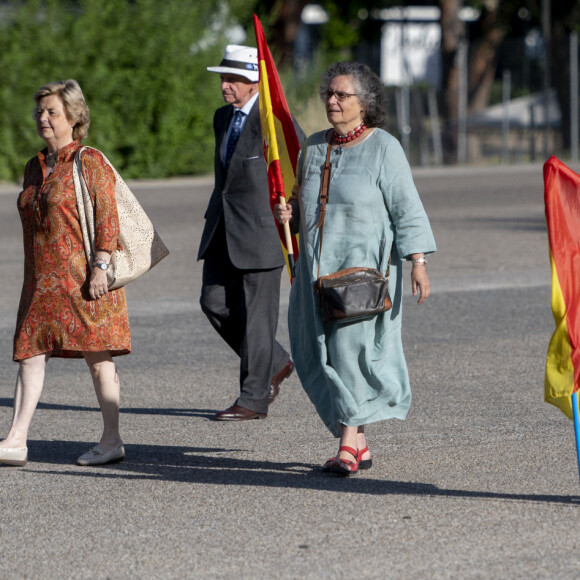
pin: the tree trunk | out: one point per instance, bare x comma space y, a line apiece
452, 33
564, 16
483, 58
285, 24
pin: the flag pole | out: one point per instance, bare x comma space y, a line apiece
281, 144
576, 427
288, 238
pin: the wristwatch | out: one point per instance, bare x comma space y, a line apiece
102, 265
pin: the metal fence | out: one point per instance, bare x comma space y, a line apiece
515, 130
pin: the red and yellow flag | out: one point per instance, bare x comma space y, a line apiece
281, 145
562, 201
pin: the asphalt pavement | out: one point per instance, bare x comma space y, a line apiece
480, 481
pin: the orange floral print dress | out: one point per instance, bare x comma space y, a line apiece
56, 313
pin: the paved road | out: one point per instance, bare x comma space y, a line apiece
479, 482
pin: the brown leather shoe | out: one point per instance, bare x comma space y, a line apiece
277, 381
237, 413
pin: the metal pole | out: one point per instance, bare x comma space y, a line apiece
405, 90
406, 128
576, 427
462, 103
505, 122
574, 97
546, 29
435, 127
400, 114
532, 134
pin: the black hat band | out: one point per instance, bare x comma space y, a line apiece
240, 65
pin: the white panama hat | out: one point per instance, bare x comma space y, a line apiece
239, 60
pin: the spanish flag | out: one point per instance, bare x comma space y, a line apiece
281, 145
562, 202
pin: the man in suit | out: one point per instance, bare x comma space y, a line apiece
242, 255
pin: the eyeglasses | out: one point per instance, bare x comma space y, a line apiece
340, 96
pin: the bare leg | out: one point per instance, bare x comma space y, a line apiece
29, 383
349, 439
362, 443
108, 391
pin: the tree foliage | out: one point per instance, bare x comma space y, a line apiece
142, 68
497, 17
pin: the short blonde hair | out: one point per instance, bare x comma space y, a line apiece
75, 106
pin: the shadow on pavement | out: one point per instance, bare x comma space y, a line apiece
511, 223
208, 413
202, 465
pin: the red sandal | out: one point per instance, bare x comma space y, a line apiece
364, 463
342, 467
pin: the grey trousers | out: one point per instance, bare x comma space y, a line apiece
242, 305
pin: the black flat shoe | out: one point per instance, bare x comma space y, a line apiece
365, 463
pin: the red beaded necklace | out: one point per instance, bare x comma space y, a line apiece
350, 136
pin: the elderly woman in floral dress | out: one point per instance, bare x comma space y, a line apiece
66, 309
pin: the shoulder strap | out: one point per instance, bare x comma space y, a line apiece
84, 207
324, 185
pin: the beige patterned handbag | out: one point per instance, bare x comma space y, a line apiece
142, 248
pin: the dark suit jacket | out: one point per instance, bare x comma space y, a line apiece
241, 196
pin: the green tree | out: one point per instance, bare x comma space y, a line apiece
142, 67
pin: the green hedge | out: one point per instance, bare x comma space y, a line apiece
142, 67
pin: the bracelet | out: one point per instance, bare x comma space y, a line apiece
421, 261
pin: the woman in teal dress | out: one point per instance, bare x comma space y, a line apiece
355, 373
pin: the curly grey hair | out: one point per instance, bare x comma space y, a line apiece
368, 87
74, 103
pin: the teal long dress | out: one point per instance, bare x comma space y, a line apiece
355, 373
